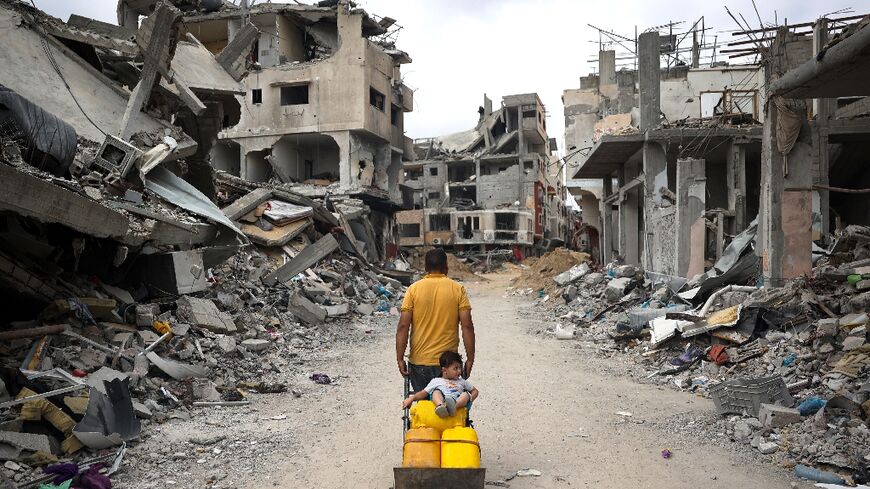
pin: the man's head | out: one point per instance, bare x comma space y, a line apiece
436, 261
451, 365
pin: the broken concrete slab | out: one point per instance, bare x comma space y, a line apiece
225, 343
853, 343
773, 416
146, 314
179, 272
104, 374
572, 274
305, 310
12, 443
616, 288
305, 259
256, 345
767, 448
337, 310
205, 390
203, 313
365, 309
246, 204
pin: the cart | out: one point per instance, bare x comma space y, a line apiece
419, 478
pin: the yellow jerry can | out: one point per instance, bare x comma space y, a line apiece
423, 415
460, 449
422, 448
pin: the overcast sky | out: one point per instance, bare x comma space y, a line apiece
465, 48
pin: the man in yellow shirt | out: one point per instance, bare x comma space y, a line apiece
432, 311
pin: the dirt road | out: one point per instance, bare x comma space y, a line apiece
540, 408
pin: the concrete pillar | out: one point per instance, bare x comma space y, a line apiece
629, 223
649, 80
345, 151
824, 109
606, 235
127, 17
691, 232
735, 162
654, 164
607, 74
786, 198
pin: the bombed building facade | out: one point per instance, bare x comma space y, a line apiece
691, 153
494, 186
324, 103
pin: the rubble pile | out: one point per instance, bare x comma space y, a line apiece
540, 272
142, 285
788, 368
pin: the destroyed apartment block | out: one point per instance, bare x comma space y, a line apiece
689, 153
324, 105
495, 186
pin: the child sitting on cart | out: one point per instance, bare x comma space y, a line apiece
450, 391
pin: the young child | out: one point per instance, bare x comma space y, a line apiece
450, 391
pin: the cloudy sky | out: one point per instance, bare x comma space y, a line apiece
465, 48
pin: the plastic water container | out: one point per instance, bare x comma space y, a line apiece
423, 416
460, 449
422, 448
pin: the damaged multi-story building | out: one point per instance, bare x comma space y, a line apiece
324, 101
494, 186
681, 158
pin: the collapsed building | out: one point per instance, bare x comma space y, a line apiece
495, 186
133, 253
680, 159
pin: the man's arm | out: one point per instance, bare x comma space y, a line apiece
467, 339
403, 331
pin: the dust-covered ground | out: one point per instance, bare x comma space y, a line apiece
545, 404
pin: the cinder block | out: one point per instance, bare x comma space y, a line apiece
773, 416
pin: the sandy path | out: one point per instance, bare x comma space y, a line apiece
539, 408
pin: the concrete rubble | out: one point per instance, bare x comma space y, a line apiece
788, 368
147, 285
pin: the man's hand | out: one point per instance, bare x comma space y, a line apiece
468, 365
403, 368
407, 402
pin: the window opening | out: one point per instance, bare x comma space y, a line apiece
439, 222
294, 95
377, 99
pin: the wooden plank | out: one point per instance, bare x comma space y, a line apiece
305, 259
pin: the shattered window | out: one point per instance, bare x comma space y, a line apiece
439, 222
434, 195
294, 95
409, 230
257, 96
433, 171
377, 99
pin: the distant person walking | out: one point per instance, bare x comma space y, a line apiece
432, 312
